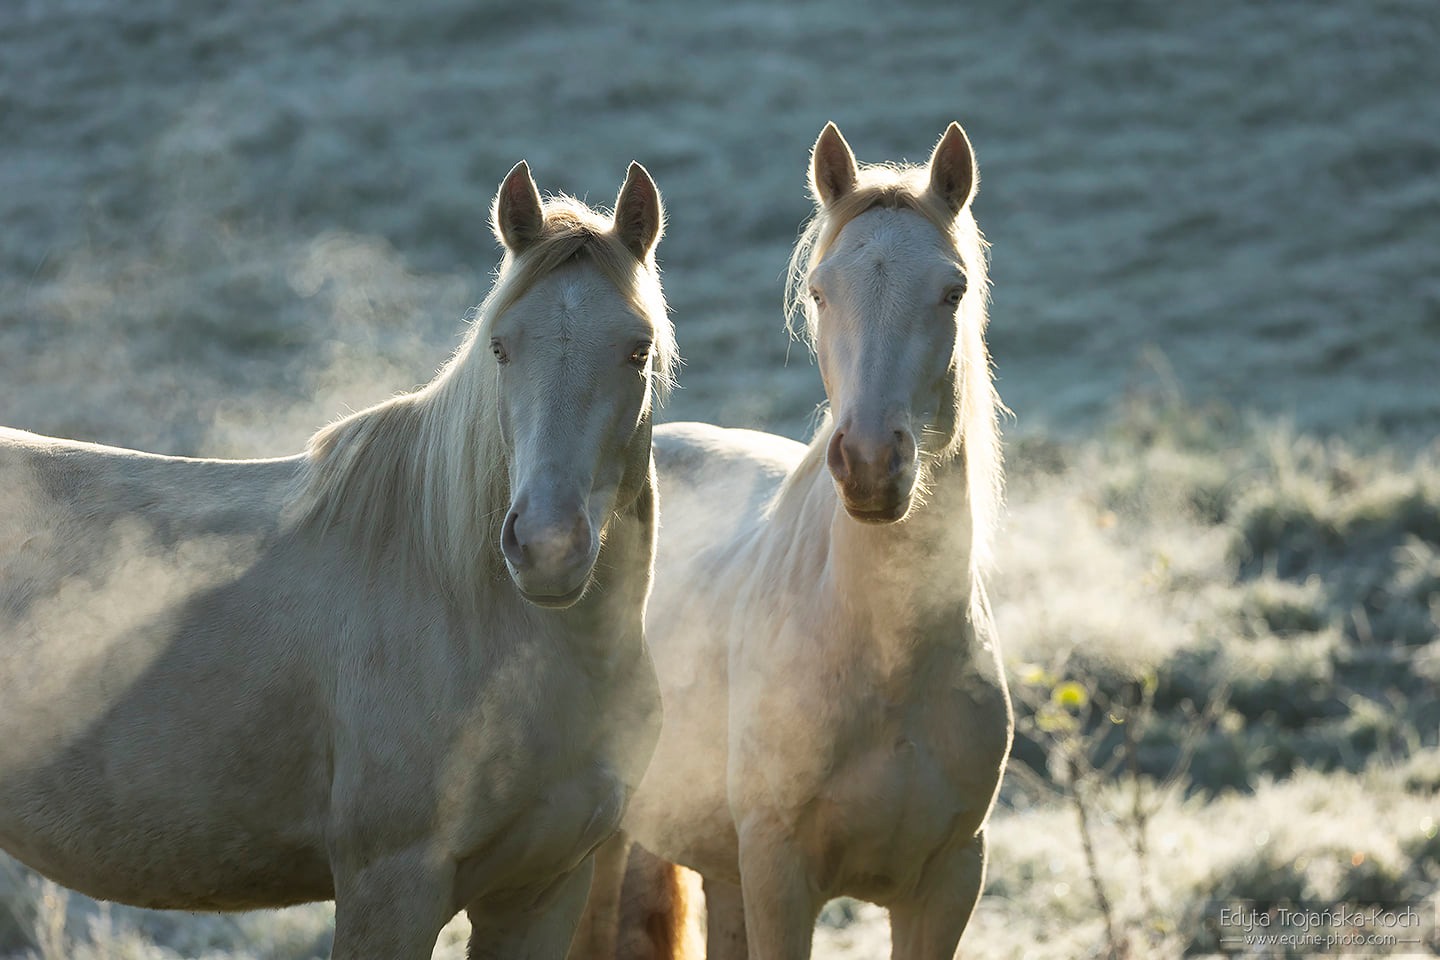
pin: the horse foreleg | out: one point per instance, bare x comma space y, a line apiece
781, 903
542, 933
595, 938
725, 923
392, 907
929, 926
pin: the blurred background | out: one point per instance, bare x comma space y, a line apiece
1215, 238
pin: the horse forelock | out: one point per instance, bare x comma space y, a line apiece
890, 187
571, 230
977, 439
425, 474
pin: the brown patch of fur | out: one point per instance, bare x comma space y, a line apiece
656, 911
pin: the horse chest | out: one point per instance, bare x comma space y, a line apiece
546, 839
883, 812
525, 830
886, 783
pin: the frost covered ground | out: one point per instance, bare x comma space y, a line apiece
1216, 316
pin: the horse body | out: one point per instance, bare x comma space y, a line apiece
102, 706
682, 810
357, 673
888, 752
837, 720
860, 706
156, 715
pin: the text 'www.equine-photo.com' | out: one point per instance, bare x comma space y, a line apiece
640, 481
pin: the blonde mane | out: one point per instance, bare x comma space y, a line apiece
978, 406
421, 479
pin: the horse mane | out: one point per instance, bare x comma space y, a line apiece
977, 404
424, 475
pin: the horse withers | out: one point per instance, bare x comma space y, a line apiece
405, 670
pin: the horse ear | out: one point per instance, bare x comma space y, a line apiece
516, 215
639, 214
953, 176
833, 172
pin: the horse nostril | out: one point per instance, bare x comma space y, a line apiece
836, 458
510, 542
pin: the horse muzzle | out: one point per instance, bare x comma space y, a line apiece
550, 550
874, 473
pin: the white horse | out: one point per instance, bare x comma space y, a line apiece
237, 684
837, 720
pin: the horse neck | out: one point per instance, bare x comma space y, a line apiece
605, 628
415, 481
900, 591
905, 562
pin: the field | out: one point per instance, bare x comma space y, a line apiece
1215, 316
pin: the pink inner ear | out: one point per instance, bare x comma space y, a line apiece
952, 169
520, 195
835, 172
520, 211
637, 214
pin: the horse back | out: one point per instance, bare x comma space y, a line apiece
138, 673
715, 480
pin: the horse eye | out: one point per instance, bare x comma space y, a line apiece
955, 294
498, 350
817, 297
640, 355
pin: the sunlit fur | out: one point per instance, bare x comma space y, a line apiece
424, 472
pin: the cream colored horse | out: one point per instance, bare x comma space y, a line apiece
227, 685
836, 716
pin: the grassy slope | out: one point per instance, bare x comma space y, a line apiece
1299, 580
